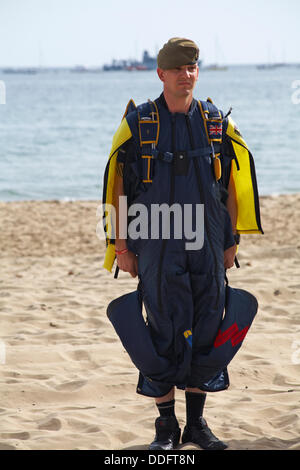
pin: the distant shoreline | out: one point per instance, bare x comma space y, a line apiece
15, 69
71, 200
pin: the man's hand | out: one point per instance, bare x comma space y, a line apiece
128, 262
229, 256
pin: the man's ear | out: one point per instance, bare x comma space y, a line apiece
161, 74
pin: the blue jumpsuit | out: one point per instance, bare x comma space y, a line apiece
183, 290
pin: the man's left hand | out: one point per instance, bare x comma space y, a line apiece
229, 256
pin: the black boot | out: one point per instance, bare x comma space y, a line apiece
200, 434
167, 433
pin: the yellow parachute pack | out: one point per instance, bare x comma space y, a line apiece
243, 183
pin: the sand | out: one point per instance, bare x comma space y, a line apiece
66, 381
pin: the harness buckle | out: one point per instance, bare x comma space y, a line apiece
167, 157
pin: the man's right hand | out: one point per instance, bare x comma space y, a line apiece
128, 262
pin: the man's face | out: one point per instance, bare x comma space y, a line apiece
180, 81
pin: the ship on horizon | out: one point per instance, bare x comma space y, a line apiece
147, 63
20, 70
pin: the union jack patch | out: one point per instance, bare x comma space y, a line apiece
214, 130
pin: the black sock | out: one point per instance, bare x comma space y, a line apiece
194, 406
167, 408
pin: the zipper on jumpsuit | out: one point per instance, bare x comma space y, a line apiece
202, 201
171, 200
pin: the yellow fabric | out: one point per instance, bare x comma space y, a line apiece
242, 181
243, 185
233, 132
121, 136
217, 168
109, 257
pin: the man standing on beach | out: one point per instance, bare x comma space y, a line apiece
167, 158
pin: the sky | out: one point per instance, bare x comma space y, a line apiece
93, 32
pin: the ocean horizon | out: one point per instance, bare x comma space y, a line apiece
56, 128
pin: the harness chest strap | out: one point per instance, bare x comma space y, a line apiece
149, 127
168, 157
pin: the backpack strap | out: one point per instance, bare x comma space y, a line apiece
213, 124
148, 126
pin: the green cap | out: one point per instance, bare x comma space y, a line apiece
177, 52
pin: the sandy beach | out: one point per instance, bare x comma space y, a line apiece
66, 381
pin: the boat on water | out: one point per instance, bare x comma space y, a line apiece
116, 65
130, 68
218, 60
84, 69
20, 70
266, 66
275, 65
215, 68
147, 63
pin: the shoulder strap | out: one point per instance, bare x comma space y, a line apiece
148, 124
213, 119
213, 124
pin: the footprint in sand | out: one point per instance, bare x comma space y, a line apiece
255, 430
71, 386
79, 355
15, 435
6, 446
83, 426
285, 420
281, 380
50, 424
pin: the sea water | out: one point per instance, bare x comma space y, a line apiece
56, 127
